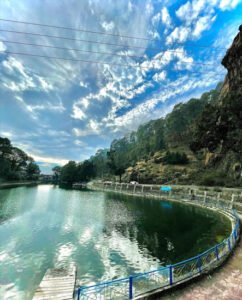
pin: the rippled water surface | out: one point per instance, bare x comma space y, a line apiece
105, 235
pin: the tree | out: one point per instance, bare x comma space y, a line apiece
5, 147
68, 173
116, 164
15, 163
32, 171
86, 171
57, 171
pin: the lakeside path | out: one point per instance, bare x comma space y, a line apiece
223, 284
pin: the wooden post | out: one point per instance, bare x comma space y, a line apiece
142, 188
134, 188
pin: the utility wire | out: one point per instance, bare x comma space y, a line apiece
104, 33
88, 41
76, 29
89, 61
99, 52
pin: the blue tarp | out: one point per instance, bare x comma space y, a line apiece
165, 188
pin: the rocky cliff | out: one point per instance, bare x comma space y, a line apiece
233, 63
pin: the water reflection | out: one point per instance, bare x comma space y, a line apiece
107, 236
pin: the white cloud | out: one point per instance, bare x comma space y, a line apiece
83, 84
162, 16
228, 4
48, 106
34, 109
7, 134
92, 128
46, 86
202, 24
108, 26
198, 16
80, 143
149, 8
165, 17
77, 112
179, 34
51, 160
3, 47
156, 19
22, 78
158, 77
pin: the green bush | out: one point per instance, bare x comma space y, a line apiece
213, 178
175, 158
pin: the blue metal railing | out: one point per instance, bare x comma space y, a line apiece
137, 284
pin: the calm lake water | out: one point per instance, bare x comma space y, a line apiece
107, 236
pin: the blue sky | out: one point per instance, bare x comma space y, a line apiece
60, 110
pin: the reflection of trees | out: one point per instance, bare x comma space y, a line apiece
169, 232
4, 194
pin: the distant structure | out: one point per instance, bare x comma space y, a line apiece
232, 61
45, 178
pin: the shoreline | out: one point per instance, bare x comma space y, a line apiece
6, 185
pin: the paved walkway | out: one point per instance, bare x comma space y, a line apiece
223, 284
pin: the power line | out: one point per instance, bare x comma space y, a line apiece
98, 52
104, 33
91, 42
73, 39
88, 61
76, 29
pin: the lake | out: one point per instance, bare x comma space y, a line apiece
107, 236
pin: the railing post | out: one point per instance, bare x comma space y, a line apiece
171, 275
232, 201
218, 197
78, 294
217, 254
205, 195
130, 287
199, 262
229, 245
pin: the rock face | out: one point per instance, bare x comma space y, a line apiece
233, 63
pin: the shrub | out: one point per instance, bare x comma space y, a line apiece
175, 158
213, 178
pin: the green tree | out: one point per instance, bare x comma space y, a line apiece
56, 173
32, 171
116, 164
68, 173
86, 171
